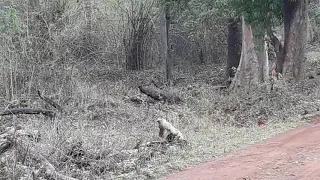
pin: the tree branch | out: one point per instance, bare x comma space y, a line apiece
6, 143
160, 95
48, 113
51, 102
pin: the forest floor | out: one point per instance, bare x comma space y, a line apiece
96, 135
290, 155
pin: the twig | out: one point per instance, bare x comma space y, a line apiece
6, 144
160, 95
51, 102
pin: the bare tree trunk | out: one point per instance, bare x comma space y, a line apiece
278, 48
234, 47
310, 33
88, 16
263, 59
169, 62
247, 73
165, 28
295, 23
201, 47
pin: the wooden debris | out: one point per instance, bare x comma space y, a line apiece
51, 102
7, 141
21, 103
48, 113
160, 95
151, 93
136, 100
219, 87
158, 84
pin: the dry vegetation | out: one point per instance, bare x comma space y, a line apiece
73, 53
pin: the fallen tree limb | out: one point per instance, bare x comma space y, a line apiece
6, 142
136, 100
160, 95
48, 113
157, 84
219, 87
6, 137
50, 169
140, 100
51, 102
5, 145
156, 95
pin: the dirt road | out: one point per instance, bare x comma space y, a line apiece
294, 155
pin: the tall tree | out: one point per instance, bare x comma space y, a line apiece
267, 14
234, 46
167, 10
165, 28
295, 33
262, 55
247, 73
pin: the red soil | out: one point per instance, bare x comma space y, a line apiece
291, 155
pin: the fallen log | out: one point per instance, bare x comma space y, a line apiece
156, 95
160, 95
48, 113
158, 84
219, 87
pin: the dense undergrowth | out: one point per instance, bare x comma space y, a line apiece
95, 137
78, 62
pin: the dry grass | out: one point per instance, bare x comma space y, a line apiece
95, 137
109, 126
105, 126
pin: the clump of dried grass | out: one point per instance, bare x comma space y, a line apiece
96, 136
108, 128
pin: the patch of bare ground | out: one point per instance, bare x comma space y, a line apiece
290, 155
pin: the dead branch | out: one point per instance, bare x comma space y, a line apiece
48, 113
5, 146
6, 137
219, 87
51, 102
136, 100
50, 169
174, 133
171, 98
140, 100
6, 141
160, 95
158, 84
151, 93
